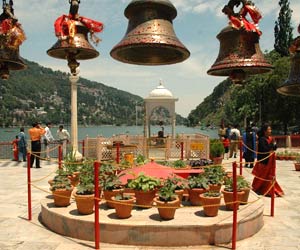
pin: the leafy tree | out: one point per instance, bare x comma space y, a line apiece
283, 30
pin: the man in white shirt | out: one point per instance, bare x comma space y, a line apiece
47, 138
234, 137
63, 137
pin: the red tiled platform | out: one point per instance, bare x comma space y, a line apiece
144, 227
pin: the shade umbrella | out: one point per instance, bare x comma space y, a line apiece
151, 169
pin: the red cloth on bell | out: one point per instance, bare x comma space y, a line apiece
265, 172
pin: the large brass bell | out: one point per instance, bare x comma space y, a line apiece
10, 39
79, 46
239, 53
291, 86
150, 38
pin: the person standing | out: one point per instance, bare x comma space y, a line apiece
264, 169
234, 137
22, 145
249, 147
63, 137
36, 133
15, 148
47, 138
222, 131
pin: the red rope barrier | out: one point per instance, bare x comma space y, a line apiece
234, 223
29, 187
96, 200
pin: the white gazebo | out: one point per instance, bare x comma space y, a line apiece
159, 97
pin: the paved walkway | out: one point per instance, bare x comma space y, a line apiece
281, 232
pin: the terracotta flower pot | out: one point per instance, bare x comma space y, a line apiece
245, 196
62, 197
297, 166
123, 207
74, 178
167, 209
210, 205
228, 198
215, 187
108, 194
194, 196
85, 203
217, 160
179, 193
144, 199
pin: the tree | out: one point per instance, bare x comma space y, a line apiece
283, 31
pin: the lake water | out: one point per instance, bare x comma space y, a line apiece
8, 134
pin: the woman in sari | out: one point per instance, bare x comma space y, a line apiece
264, 170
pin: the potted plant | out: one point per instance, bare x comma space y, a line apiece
179, 164
111, 186
167, 201
216, 151
228, 193
179, 185
215, 176
61, 189
197, 185
123, 204
140, 160
145, 188
297, 163
211, 201
84, 195
72, 168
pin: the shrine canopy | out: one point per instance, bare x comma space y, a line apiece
159, 97
152, 169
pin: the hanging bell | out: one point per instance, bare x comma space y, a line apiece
291, 86
77, 45
10, 60
239, 53
11, 37
150, 38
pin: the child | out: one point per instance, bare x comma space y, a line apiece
15, 149
226, 144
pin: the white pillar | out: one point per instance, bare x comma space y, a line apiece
74, 128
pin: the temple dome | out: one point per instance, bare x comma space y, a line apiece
161, 92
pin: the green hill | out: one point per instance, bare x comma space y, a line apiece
39, 93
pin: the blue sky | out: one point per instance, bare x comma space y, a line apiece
196, 25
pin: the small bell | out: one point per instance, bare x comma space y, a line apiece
11, 37
240, 54
72, 31
291, 86
150, 38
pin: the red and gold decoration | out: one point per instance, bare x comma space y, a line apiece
239, 53
150, 38
11, 37
291, 86
72, 33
